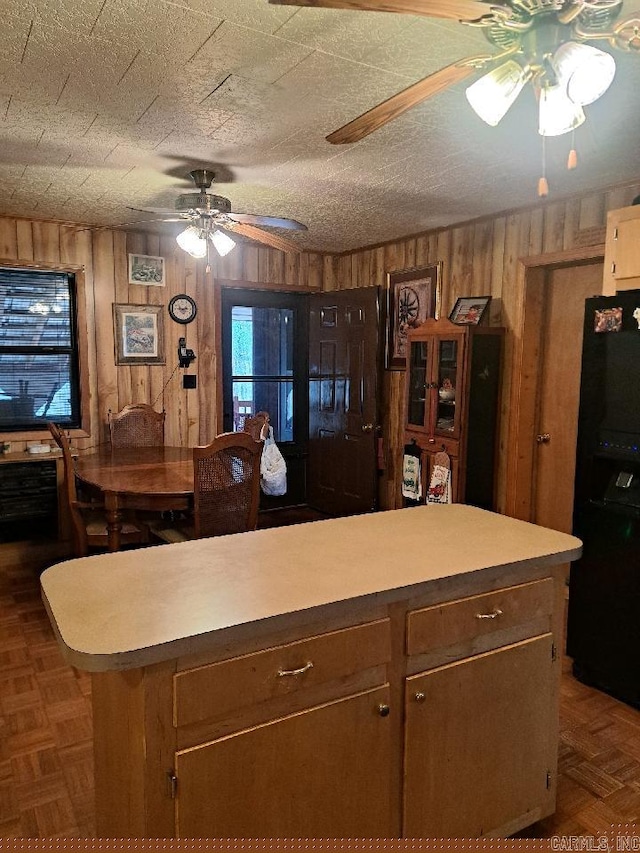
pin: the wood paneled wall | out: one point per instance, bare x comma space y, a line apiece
483, 257
191, 415
480, 257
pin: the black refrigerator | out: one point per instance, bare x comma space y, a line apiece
603, 632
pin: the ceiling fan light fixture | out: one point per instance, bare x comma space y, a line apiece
493, 94
584, 71
558, 113
223, 243
193, 241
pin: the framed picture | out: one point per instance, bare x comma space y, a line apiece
146, 269
412, 296
139, 334
609, 320
469, 310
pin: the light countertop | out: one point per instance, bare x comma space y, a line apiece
121, 610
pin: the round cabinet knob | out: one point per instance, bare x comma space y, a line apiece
544, 438
383, 710
367, 427
419, 696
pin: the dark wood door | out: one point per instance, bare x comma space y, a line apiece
343, 406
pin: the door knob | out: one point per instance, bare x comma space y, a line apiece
545, 438
367, 427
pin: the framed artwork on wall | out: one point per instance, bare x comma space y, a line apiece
412, 296
138, 334
146, 269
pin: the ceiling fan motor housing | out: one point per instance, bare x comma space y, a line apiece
203, 202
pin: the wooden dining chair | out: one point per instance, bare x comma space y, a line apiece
226, 493
137, 425
88, 519
255, 425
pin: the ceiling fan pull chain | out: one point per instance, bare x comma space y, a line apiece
572, 160
543, 186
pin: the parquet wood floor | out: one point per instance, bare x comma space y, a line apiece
46, 775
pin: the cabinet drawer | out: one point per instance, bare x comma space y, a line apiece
462, 620
219, 689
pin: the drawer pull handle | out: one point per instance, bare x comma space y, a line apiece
493, 615
300, 671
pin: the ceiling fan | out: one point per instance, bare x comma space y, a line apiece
538, 41
210, 221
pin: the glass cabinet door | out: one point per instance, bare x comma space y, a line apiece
417, 388
448, 352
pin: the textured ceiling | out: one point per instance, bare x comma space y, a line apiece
105, 104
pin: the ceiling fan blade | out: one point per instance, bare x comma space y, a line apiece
457, 10
167, 213
271, 221
273, 240
123, 224
394, 106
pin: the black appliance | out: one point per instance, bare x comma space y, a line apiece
603, 632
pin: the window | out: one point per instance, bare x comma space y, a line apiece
39, 376
262, 365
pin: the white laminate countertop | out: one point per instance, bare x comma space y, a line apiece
131, 608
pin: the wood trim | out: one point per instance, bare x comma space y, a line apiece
61, 266
531, 280
281, 287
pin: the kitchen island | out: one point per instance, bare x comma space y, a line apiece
383, 675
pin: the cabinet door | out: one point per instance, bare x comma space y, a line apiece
324, 772
418, 384
626, 251
448, 375
479, 741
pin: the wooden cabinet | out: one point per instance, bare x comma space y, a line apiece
484, 711
335, 734
452, 391
479, 743
622, 250
323, 772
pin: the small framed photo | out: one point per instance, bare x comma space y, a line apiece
412, 296
139, 334
609, 320
146, 269
469, 310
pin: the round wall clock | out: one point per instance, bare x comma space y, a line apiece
182, 308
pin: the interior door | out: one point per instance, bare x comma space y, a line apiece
343, 406
566, 289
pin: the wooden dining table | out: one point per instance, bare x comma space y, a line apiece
140, 478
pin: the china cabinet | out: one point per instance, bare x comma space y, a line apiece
452, 404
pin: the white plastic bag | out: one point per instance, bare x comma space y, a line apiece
273, 468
